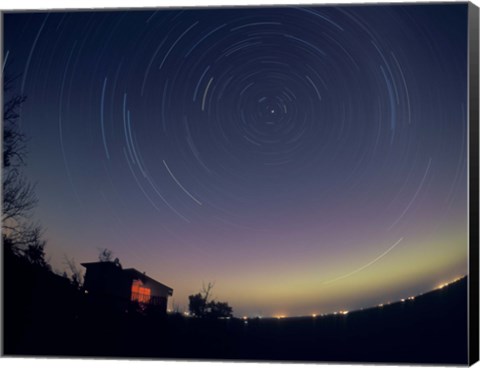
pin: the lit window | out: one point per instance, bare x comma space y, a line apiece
140, 293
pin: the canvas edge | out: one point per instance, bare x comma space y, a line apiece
2, 279
473, 153
473, 113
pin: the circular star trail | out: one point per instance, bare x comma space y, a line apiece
263, 147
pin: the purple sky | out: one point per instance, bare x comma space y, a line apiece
306, 160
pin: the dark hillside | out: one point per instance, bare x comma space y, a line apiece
430, 329
38, 307
45, 315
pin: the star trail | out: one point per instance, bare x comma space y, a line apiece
306, 159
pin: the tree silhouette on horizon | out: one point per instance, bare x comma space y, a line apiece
20, 234
201, 305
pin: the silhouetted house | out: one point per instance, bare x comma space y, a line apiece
109, 282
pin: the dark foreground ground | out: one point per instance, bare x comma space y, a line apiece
45, 316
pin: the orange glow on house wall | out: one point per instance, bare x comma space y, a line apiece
139, 292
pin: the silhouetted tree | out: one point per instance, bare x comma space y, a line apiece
105, 255
219, 309
200, 304
14, 147
76, 276
18, 231
34, 247
18, 194
197, 305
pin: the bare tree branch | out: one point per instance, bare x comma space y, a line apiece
18, 195
206, 290
76, 275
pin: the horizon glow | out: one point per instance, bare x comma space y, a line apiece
305, 159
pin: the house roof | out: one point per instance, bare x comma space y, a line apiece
104, 264
131, 272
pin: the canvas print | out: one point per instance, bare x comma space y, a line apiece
269, 183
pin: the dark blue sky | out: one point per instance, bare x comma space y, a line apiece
304, 159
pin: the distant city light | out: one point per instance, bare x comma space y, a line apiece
441, 286
381, 305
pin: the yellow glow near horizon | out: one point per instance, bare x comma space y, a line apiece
404, 267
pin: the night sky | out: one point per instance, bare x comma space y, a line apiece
306, 160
